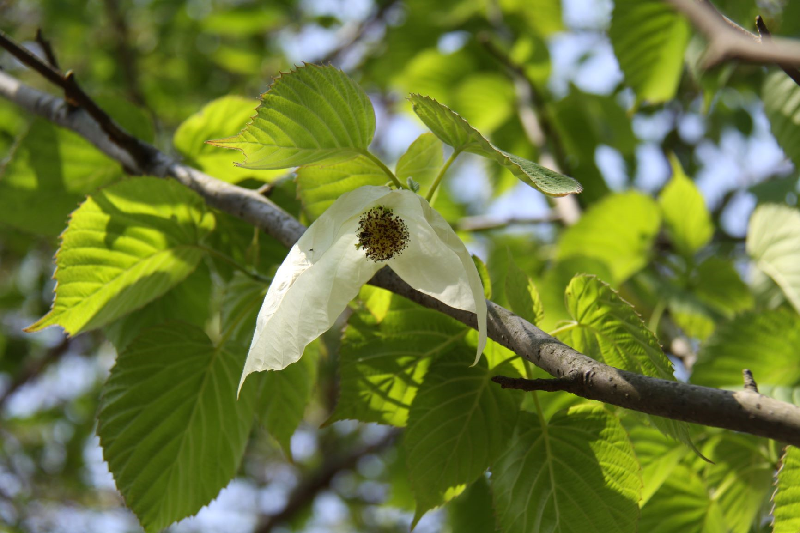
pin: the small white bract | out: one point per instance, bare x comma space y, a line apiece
363, 231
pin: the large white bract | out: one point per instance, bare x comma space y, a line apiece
336, 256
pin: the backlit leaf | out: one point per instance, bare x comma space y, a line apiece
781, 97
685, 213
422, 161
773, 241
787, 496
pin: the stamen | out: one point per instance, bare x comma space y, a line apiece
381, 234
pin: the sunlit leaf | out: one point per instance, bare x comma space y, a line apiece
773, 241
607, 328
765, 342
125, 246
521, 293
649, 39
787, 496
685, 213
169, 412
309, 115
320, 185
576, 473
459, 423
218, 118
657, 454
422, 161
781, 97
618, 231
452, 129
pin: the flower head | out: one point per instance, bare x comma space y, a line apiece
361, 232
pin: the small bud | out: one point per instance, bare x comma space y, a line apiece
413, 185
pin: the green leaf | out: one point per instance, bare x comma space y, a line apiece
51, 169
382, 366
124, 247
657, 454
608, 329
240, 305
784, 394
742, 478
577, 472
683, 503
781, 97
718, 284
472, 510
738, 344
685, 214
618, 231
285, 394
459, 423
521, 293
421, 161
787, 495
543, 16
452, 129
188, 301
483, 272
309, 115
218, 118
320, 185
773, 241
649, 39
169, 413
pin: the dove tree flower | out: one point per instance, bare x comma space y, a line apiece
361, 232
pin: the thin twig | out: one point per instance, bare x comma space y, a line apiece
76, 97
126, 55
480, 223
359, 32
35, 368
47, 49
739, 411
312, 485
791, 71
546, 385
726, 42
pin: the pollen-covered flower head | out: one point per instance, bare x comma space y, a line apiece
360, 233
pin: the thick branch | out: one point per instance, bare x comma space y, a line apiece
744, 411
727, 41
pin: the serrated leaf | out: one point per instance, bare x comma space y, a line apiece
309, 115
188, 301
169, 410
737, 344
421, 161
218, 118
618, 231
125, 246
318, 186
608, 329
742, 478
452, 129
240, 305
51, 169
787, 495
284, 396
649, 39
685, 213
657, 454
682, 504
577, 473
781, 97
521, 293
773, 241
382, 366
459, 423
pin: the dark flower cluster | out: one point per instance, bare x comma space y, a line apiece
381, 234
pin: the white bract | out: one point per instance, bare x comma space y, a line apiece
361, 232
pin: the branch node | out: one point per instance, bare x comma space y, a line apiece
749, 382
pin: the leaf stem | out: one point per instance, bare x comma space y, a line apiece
385, 169
235, 264
439, 176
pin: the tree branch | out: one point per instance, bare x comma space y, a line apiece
791, 71
728, 41
481, 223
743, 411
319, 480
